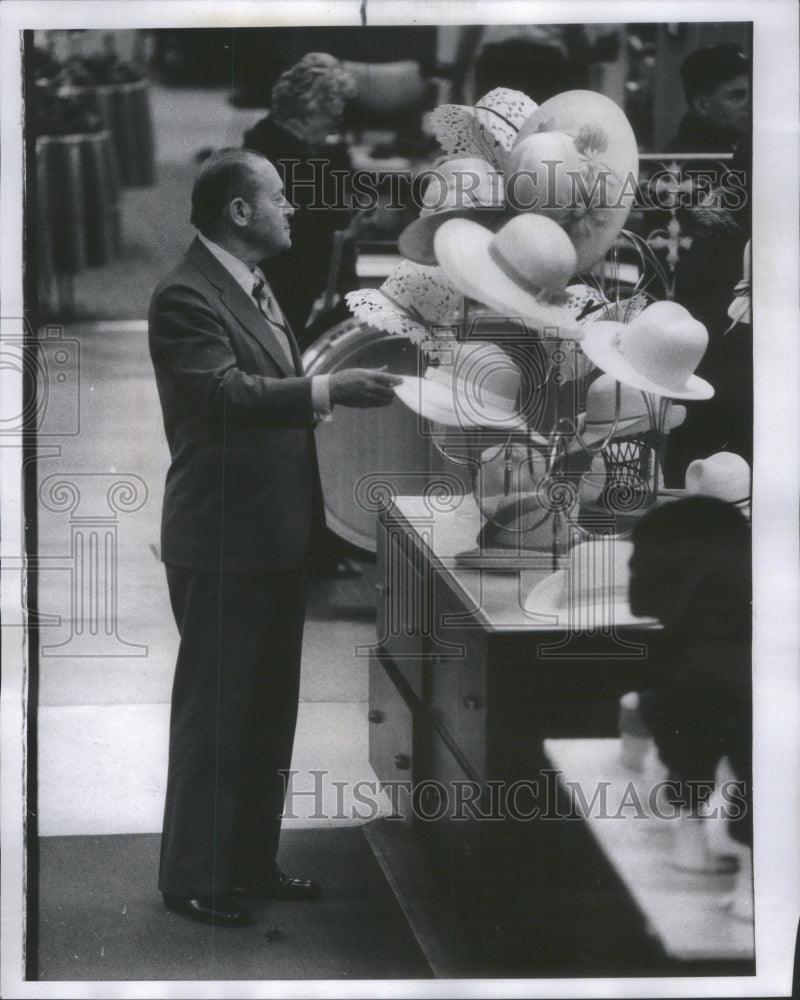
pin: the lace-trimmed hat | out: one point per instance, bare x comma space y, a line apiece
487, 130
412, 299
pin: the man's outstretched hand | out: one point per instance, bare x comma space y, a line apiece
362, 387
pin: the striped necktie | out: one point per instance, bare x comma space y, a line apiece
269, 308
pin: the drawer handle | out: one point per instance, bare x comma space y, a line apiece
383, 589
472, 702
402, 762
375, 715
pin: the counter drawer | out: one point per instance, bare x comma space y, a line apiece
391, 737
458, 704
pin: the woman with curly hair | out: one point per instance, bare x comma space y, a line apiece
307, 105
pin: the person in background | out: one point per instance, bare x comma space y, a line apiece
306, 109
242, 502
716, 83
691, 569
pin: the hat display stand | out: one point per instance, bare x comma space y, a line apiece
631, 480
513, 270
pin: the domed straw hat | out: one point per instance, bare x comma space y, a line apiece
595, 424
591, 591
522, 271
585, 132
411, 300
525, 522
725, 476
479, 388
656, 352
487, 130
462, 187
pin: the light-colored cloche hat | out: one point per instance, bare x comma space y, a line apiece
656, 352
462, 187
521, 271
585, 134
591, 591
411, 300
724, 475
596, 423
478, 387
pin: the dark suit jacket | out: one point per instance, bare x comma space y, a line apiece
242, 493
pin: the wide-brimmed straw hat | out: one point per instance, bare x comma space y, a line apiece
593, 207
596, 423
591, 591
656, 352
463, 187
488, 129
480, 387
521, 271
411, 300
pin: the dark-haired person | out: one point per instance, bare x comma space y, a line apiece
716, 83
241, 502
691, 569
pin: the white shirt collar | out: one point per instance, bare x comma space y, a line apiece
238, 270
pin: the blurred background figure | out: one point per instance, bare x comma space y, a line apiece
716, 85
691, 569
300, 135
539, 60
716, 82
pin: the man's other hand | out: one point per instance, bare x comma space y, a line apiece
362, 387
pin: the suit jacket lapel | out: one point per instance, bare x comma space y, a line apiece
235, 299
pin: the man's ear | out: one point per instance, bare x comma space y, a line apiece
239, 212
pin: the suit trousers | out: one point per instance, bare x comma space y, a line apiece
234, 710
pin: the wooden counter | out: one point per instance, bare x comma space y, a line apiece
466, 684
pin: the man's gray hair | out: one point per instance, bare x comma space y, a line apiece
223, 176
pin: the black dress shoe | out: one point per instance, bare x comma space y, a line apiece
284, 887
221, 911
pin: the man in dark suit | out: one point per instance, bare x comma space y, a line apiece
241, 503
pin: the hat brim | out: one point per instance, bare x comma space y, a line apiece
600, 349
441, 404
624, 428
743, 503
547, 599
462, 249
416, 240
585, 112
385, 315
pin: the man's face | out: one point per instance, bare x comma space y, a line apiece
727, 107
268, 223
